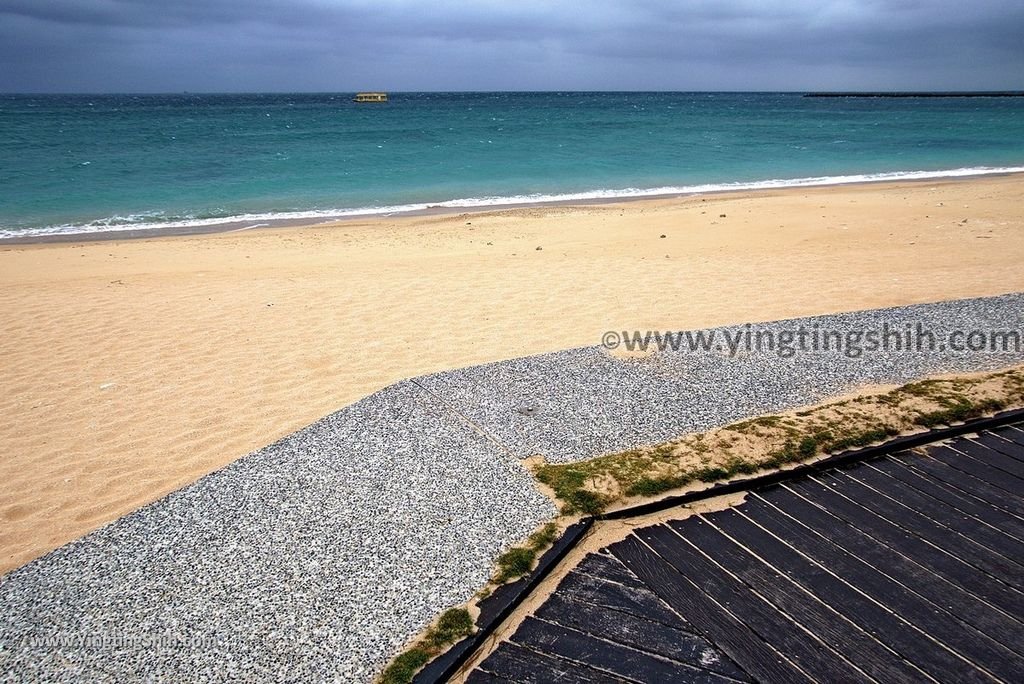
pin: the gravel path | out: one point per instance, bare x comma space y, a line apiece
576, 404
317, 557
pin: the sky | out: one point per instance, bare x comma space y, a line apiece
410, 45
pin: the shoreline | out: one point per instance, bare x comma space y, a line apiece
231, 225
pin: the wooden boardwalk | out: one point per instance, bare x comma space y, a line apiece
905, 568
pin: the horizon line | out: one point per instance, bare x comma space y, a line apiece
876, 92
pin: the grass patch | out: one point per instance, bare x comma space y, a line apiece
589, 487
519, 560
544, 537
860, 438
403, 668
453, 625
584, 501
748, 426
711, 474
958, 410
652, 486
515, 562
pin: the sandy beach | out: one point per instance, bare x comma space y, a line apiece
134, 367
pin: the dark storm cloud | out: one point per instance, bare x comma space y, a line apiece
155, 14
225, 45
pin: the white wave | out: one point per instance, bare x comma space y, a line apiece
140, 222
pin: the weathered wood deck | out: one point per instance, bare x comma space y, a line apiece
905, 568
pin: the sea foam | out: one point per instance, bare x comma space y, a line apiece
145, 221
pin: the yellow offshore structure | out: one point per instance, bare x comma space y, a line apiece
371, 97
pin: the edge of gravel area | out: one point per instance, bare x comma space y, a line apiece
499, 605
578, 403
507, 598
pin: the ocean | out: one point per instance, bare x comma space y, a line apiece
89, 163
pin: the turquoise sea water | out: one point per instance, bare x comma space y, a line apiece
88, 163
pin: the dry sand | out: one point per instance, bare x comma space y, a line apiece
132, 368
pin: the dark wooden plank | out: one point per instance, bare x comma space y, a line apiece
481, 677
606, 656
987, 616
776, 628
941, 625
935, 488
937, 559
738, 641
983, 471
898, 633
1012, 433
643, 635
991, 457
608, 568
1001, 444
845, 637
525, 666
640, 602
970, 551
948, 516
965, 482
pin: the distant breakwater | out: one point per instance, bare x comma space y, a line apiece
1001, 93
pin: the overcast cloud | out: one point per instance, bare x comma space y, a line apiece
345, 45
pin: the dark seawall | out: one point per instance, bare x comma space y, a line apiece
1002, 93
